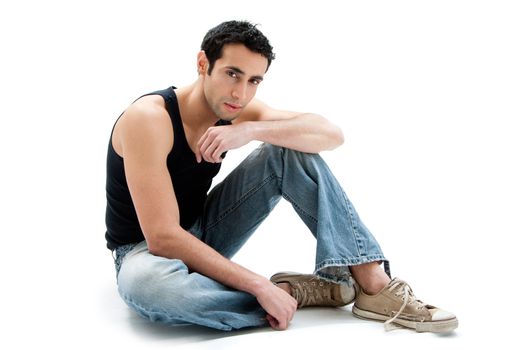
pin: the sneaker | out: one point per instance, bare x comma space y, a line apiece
310, 290
397, 305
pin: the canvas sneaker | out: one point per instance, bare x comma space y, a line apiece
397, 305
310, 290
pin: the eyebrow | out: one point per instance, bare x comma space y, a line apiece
240, 71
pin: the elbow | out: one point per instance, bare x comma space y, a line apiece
155, 246
161, 243
335, 135
337, 138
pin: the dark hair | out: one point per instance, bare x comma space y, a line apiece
233, 32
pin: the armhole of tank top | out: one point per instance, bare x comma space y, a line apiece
165, 98
111, 139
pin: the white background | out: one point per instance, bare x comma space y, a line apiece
430, 95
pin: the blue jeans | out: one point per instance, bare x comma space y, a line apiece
165, 290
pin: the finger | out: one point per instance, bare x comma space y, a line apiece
204, 150
211, 151
272, 321
275, 324
217, 154
201, 140
198, 155
283, 325
205, 142
206, 153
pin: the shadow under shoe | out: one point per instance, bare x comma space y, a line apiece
310, 290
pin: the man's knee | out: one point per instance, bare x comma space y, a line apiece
281, 158
271, 150
278, 151
153, 285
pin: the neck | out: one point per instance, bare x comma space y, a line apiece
194, 109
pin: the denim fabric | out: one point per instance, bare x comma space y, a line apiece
164, 290
120, 252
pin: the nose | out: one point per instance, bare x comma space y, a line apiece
239, 92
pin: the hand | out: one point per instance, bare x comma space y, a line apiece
219, 139
279, 305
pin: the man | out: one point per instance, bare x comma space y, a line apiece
173, 240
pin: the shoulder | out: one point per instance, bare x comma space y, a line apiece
145, 123
147, 110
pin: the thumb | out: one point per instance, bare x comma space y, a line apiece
276, 324
272, 321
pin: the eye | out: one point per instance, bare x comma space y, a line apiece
231, 74
255, 82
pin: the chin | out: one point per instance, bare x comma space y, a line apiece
229, 118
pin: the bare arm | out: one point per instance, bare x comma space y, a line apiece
305, 132
146, 138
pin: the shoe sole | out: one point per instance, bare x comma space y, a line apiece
429, 326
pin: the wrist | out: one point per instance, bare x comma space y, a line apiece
257, 285
252, 130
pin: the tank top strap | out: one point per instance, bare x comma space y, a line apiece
172, 106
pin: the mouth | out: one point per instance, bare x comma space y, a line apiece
232, 107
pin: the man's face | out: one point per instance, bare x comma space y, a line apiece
233, 80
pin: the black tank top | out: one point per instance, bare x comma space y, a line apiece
191, 182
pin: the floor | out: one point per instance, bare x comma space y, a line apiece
311, 327
112, 323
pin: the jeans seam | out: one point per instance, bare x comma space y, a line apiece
242, 199
354, 226
290, 199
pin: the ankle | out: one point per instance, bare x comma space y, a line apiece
370, 277
374, 287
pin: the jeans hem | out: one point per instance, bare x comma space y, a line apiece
338, 271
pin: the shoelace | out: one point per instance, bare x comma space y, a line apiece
307, 293
408, 297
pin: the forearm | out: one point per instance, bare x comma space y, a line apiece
203, 259
309, 133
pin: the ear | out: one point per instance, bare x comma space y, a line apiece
202, 63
